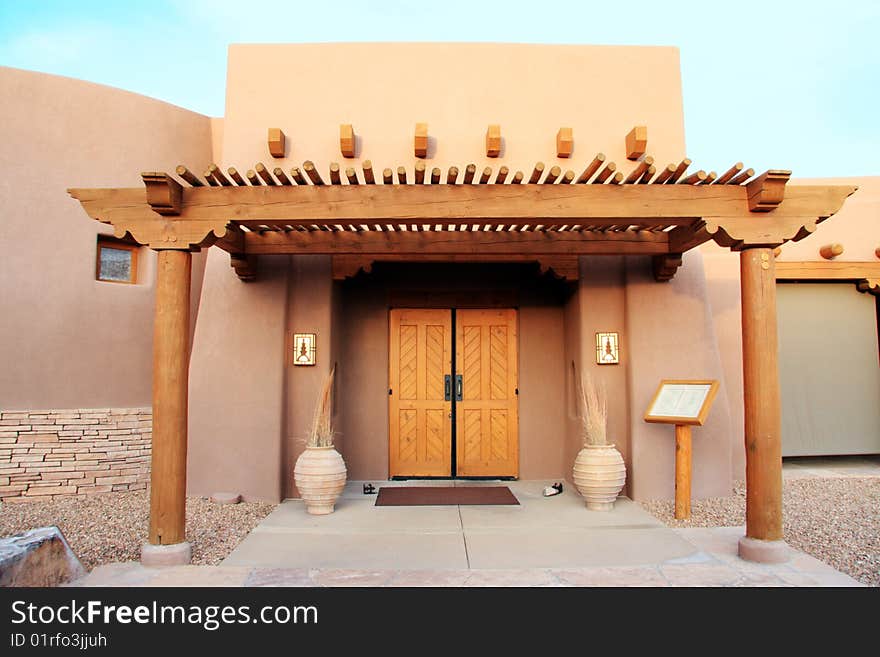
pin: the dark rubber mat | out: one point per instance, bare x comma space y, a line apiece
444, 495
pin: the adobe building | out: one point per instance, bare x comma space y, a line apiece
452, 235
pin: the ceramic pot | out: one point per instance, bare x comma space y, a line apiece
320, 475
599, 475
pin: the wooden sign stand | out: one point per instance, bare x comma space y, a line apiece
683, 403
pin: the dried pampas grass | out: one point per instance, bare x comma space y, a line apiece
593, 402
321, 431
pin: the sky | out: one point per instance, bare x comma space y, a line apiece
776, 83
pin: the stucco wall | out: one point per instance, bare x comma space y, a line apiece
671, 335
598, 305
67, 340
458, 89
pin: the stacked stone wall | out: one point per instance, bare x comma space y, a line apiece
58, 453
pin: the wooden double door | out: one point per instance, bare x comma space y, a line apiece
453, 393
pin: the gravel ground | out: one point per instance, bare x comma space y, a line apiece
836, 520
106, 528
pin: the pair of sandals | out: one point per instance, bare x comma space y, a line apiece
555, 489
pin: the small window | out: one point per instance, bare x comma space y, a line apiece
117, 260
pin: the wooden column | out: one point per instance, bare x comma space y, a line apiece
170, 381
682, 471
763, 440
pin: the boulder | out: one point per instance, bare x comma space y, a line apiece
39, 557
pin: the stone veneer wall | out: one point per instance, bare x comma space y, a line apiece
56, 453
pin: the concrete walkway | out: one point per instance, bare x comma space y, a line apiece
552, 541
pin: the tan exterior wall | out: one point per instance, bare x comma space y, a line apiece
598, 305
670, 335
67, 340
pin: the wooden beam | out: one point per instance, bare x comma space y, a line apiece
552, 175
824, 270
724, 208
367, 166
469, 174
679, 171
233, 241
452, 176
455, 243
484, 177
435, 175
603, 175
263, 173
215, 172
493, 140
767, 190
253, 178
276, 142
345, 266
188, 176
297, 176
164, 193
636, 142
312, 173
502, 175
741, 177
725, 177
282, 177
564, 142
420, 141
639, 170
420, 173
591, 169
236, 176
347, 140
170, 381
536, 173
335, 178
685, 238
352, 176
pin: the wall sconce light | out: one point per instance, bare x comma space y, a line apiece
304, 348
607, 349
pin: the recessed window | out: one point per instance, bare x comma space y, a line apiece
117, 260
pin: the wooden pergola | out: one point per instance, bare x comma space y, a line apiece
549, 216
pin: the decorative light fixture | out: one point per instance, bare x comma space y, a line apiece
304, 348
607, 349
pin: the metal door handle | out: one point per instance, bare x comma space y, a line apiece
447, 387
458, 387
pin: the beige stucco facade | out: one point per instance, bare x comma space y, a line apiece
74, 342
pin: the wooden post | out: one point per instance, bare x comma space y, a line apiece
170, 381
682, 471
761, 396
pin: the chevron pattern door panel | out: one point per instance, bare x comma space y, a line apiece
487, 428
420, 357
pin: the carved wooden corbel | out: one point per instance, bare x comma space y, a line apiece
245, 266
767, 190
665, 266
164, 193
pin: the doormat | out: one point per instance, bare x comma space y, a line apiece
444, 495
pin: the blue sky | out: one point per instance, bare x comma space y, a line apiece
779, 84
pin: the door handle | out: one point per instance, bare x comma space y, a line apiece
458, 387
447, 387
